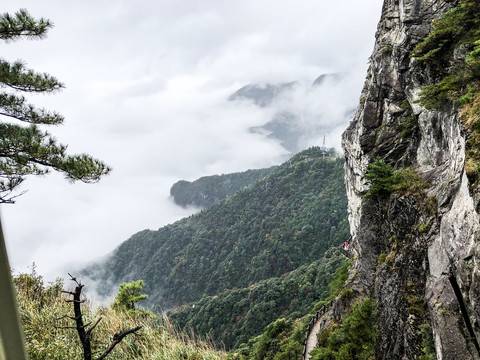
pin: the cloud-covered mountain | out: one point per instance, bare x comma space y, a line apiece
303, 113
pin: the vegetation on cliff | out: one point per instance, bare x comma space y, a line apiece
288, 219
384, 180
451, 52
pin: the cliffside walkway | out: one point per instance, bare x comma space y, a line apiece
313, 329
315, 324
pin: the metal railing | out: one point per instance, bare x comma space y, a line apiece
312, 322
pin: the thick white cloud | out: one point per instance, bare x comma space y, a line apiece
146, 89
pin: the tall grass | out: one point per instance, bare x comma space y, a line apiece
41, 307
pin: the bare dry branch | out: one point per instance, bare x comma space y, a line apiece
119, 335
89, 331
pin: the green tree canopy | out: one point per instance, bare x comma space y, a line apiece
27, 149
128, 295
380, 176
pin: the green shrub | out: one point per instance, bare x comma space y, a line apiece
127, 297
381, 259
353, 339
380, 176
428, 346
338, 282
385, 180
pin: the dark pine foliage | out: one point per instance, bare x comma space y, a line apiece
25, 148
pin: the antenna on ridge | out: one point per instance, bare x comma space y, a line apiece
324, 148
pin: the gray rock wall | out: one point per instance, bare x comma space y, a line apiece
417, 254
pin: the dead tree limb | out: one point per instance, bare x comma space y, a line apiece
89, 331
85, 336
119, 335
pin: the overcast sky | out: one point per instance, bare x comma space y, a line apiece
146, 91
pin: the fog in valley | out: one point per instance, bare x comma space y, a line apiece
150, 90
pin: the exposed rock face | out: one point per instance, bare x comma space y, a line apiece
418, 254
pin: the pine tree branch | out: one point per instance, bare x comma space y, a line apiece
17, 77
29, 151
16, 107
21, 24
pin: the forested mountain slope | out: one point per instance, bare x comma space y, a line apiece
208, 190
288, 219
236, 315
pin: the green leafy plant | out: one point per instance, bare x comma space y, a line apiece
428, 345
381, 259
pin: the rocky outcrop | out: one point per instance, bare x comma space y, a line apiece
417, 252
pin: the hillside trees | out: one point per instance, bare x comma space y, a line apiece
29, 150
284, 338
208, 190
288, 219
236, 315
354, 338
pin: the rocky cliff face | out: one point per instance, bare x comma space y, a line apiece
417, 253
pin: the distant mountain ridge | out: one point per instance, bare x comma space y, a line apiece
288, 219
208, 190
261, 94
292, 126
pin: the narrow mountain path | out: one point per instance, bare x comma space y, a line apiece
317, 322
311, 340
313, 329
